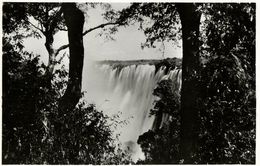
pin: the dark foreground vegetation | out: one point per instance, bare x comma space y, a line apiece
30, 115
212, 120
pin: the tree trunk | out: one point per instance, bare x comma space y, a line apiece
190, 21
74, 19
51, 52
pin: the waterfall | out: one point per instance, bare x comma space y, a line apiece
129, 90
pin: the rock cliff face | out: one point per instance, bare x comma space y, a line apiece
168, 63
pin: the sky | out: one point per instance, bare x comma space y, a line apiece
126, 46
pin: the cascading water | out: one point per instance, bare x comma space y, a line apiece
127, 90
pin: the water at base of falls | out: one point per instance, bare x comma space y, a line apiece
128, 90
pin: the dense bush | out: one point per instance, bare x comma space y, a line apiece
161, 145
227, 113
227, 117
22, 90
33, 130
227, 109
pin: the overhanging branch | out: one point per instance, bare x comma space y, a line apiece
62, 29
41, 30
86, 32
61, 48
99, 26
62, 57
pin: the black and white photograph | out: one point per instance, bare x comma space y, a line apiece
119, 83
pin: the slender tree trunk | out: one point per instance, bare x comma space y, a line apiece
74, 19
51, 52
49, 47
49, 32
190, 21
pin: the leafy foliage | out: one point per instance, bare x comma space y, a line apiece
23, 91
13, 15
34, 130
30, 119
44, 20
227, 98
18, 15
161, 145
227, 133
84, 137
227, 103
159, 21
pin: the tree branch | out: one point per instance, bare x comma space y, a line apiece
99, 26
41, 23
62, 57
86, 32
36, 27
62, 29
61, 48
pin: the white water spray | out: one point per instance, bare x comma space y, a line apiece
127, 90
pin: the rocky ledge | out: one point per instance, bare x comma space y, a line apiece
168, 63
